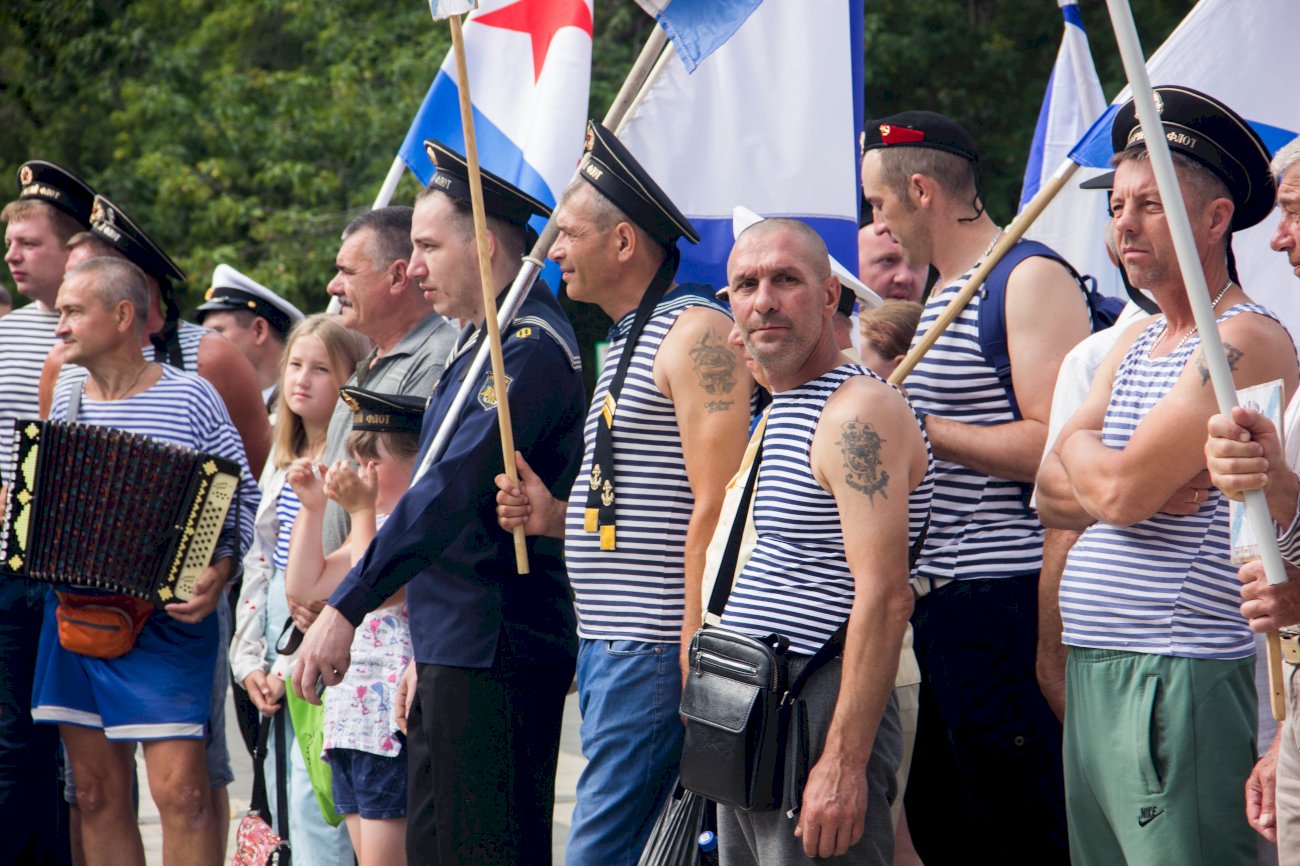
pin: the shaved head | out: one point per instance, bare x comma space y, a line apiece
811, 247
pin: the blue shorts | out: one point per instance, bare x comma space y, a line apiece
372, 786
160, 690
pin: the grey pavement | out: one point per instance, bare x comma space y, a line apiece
241, 791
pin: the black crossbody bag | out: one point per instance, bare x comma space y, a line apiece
738, 696
740, 702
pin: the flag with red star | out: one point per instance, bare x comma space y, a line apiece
529, 76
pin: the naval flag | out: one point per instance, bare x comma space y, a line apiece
530, 72
769, 121
697, 28
1243, 54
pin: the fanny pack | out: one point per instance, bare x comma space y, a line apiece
100, 626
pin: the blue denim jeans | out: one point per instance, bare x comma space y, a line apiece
629, 692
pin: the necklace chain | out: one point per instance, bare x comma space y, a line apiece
1214, 303
134, 382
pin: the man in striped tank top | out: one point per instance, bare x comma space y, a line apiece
843, 491
985, 782
52, 206
1160, 707
665, 432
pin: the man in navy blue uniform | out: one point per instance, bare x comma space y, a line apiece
494, 650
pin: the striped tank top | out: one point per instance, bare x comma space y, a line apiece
26, 336
287, 506
797, 582
636, 592
1164, 586
188, 336
981, 527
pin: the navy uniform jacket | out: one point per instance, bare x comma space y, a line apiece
443, 537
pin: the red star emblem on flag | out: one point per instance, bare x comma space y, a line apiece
540, 19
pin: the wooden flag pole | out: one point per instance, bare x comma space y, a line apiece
638, 79
499, 381
1198, 295
1014, 231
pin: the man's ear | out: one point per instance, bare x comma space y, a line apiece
1220, 213
921, 190
624, 240
398, 280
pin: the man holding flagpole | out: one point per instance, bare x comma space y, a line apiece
665, 432
1160, 708
494, 650
1246, 453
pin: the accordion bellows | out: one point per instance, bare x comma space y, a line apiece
97, 508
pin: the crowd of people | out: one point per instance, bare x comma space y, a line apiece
1018, 563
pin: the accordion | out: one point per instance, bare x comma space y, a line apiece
97, 508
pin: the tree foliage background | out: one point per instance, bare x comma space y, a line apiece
249, 131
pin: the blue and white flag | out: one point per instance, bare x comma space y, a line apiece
1073, 101
697, 28
769, 121
446, 8
529, 74
1243, 54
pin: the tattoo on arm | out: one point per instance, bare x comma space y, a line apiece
860, 444
1231, 352
715, 367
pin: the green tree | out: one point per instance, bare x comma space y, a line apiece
249, 131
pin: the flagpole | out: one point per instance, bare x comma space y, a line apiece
390, 184
1198, 295
638, 79
500, 383
1014, 231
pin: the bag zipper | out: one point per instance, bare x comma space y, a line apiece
701, 656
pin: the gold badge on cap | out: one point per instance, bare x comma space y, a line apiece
589, 143
99, 213
1160, 103
350, 401
25, 175
884, 129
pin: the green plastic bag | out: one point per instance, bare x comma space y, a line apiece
309, 728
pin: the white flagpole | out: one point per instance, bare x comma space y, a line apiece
1198, 294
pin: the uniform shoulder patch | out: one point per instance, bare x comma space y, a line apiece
487, 395
526, 332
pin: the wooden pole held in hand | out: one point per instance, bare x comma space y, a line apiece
499, 381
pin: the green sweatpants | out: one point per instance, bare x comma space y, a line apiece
1157, 752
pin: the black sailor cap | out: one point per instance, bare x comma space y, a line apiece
110, 222
38, 179
383, 413
501, 199
610, 167
1214, 135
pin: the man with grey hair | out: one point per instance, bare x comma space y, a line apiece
1238, 449
378, 299
159, 692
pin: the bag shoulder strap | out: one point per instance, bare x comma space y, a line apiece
259, 802
993, 310
281, 775
74, 404
731, 554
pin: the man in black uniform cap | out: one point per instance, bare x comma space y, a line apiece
1160, 710
494, 649
665, 432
